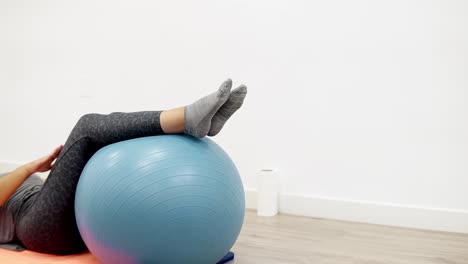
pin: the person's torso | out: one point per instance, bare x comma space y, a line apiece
10, 211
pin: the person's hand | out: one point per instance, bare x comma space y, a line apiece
45, 163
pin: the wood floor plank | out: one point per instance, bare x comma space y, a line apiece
292, 239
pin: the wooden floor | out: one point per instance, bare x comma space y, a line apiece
292, 239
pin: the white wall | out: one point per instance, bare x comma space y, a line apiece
349, 100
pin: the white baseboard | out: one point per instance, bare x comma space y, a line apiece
437, 219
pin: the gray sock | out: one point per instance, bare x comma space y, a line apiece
236, 98
199, 114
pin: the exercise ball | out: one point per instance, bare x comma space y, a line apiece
161, 199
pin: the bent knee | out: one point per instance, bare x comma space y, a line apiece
88, 119
85, 126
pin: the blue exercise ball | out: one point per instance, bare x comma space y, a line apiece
162, 199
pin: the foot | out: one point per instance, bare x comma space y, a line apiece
236, 98
199, 114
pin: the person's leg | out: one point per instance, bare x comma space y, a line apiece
47, 221
173, 121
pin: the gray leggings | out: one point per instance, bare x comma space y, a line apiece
46, 221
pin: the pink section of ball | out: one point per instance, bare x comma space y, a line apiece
106, 254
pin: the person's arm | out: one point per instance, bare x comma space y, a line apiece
11, 182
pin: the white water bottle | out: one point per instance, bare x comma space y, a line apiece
267, 193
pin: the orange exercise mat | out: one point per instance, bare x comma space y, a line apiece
30, 257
